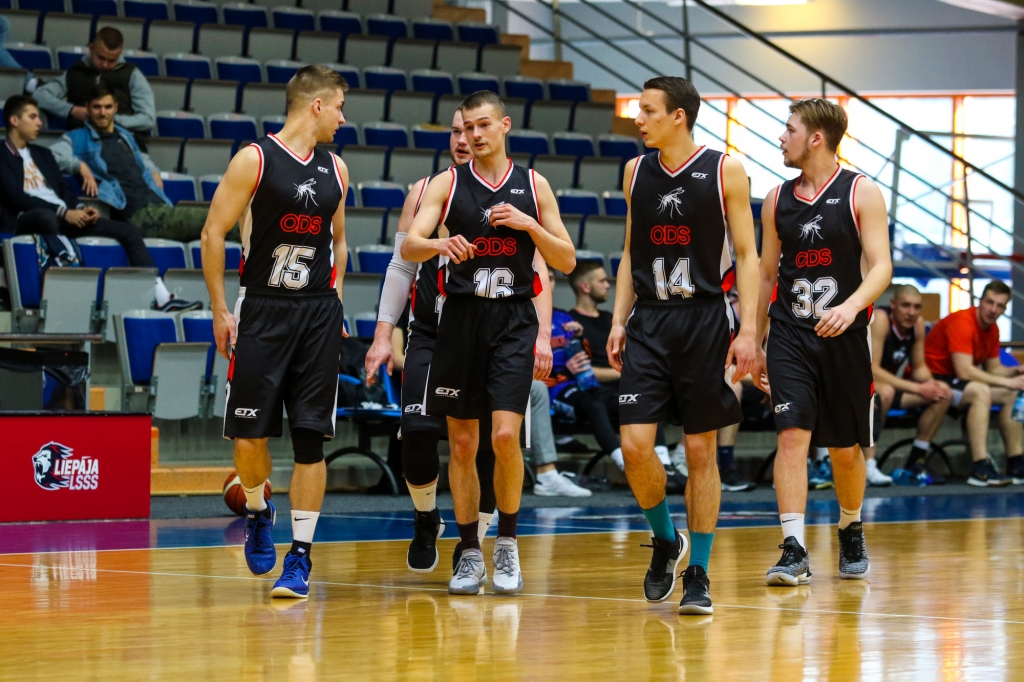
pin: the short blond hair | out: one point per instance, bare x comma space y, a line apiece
821, 115
309, 82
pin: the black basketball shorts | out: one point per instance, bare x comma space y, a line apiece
822, 385
286, 354
418, 354
673, 366
483, 357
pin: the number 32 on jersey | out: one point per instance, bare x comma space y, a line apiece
805, 305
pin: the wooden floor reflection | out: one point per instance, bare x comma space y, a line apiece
944, 601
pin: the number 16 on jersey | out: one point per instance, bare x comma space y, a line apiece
677, 283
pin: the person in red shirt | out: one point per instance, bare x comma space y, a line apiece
963, 351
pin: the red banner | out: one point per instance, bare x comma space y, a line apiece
67, 467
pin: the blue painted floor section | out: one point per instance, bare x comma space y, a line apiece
219, 532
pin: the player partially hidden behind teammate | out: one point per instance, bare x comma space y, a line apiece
498, 216
829, 228
672, 325
284, 338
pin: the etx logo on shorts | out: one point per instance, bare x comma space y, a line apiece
519, 191
628, 398
447, 392
832, 201
414, 409
699, 176
246, 412
782, 407
55, 467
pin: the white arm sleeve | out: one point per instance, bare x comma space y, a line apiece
397, 282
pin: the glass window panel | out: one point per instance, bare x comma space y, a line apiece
711, 124
754, 138
992, 207
989, 115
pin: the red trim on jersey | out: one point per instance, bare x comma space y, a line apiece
721, 183
259, 176
871, 310
533, 185
685, 163
853, 202
823, 187
775, 293
341, 182
334, 275
472, 169
419, 198
729, 279
440, 282
298, 158
538, 287
412, 298
632, 181
451, 191
231, 366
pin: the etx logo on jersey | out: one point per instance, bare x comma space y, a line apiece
246, 412
519, 191
323, 170
414, 409
447, 392
699, 176
832, 201
782, 407
628, 398
57, 467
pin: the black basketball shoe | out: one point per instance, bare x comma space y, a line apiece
422, 555
794, 567
853, 553
661, 576
696, 593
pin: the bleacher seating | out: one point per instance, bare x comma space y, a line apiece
179, 187
377, 194
374, 258
167, 254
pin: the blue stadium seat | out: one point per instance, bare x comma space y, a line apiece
528, 142
235, 127
207, 186
925, 252
619, 146
614, 203
180, 124
344, 23
142, 335
241, 69
350, 202
385, 135
23, 272
432, 29
98, 252
524, 87
147, 62
232, 255
97, 8
150, 10
197, 12
68, 56
425, 138
614, 259
391, 27
578, 202
349, 73
472, 32
565, 90
436, 82
374, 258
573, 144
366, 324
272, 124
377, 194
241, 14
166, 254
472, 82
347, 134
197, 327
294, 19
41, 6
179, 187
281, 71
384, 78
31, 57
190, 66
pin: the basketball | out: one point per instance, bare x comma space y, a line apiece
234, 495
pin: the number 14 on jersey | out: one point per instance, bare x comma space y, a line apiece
678, 281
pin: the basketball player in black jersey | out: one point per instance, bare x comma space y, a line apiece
903, 380
672, 326
824, 261
420, 433
284, 338
498, 217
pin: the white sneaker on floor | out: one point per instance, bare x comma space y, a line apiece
555, 484
508, 578
679, 460
469, 574
875, 475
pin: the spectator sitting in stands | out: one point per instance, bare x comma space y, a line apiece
115, 170
7, 60
68, 95
902, 381
962, 350
35, 199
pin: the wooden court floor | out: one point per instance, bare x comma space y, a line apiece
945, 601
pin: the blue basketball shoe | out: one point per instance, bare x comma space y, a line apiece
260, 555
294, 582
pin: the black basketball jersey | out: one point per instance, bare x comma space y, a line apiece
502, 266
287, 232
897, 351
820, 265
678, 244
426, 298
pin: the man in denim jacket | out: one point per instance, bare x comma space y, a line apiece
114, 170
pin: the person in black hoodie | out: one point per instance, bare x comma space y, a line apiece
35, 199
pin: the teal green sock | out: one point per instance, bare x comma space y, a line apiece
700, 549
661, 521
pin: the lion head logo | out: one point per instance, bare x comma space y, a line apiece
44, 463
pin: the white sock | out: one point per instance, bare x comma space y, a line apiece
662, 452
846, 517
617, 458
254, 500
680, 451
923, 444
548, 475
793, 526
303, 525
483, 524
162, 295
821, 454
424, 499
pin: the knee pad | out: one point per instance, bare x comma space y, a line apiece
419, 457
308, 446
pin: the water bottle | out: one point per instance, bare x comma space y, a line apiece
585, 379
1018, 407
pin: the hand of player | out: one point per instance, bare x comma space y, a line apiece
507, 215
933, 390
381, 353
836, 320
574, 328
743, 350
225, 331
456, 248
759, 372
578, 362
89, 185
542, 359
616, 342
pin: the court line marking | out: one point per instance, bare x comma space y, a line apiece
548, 596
